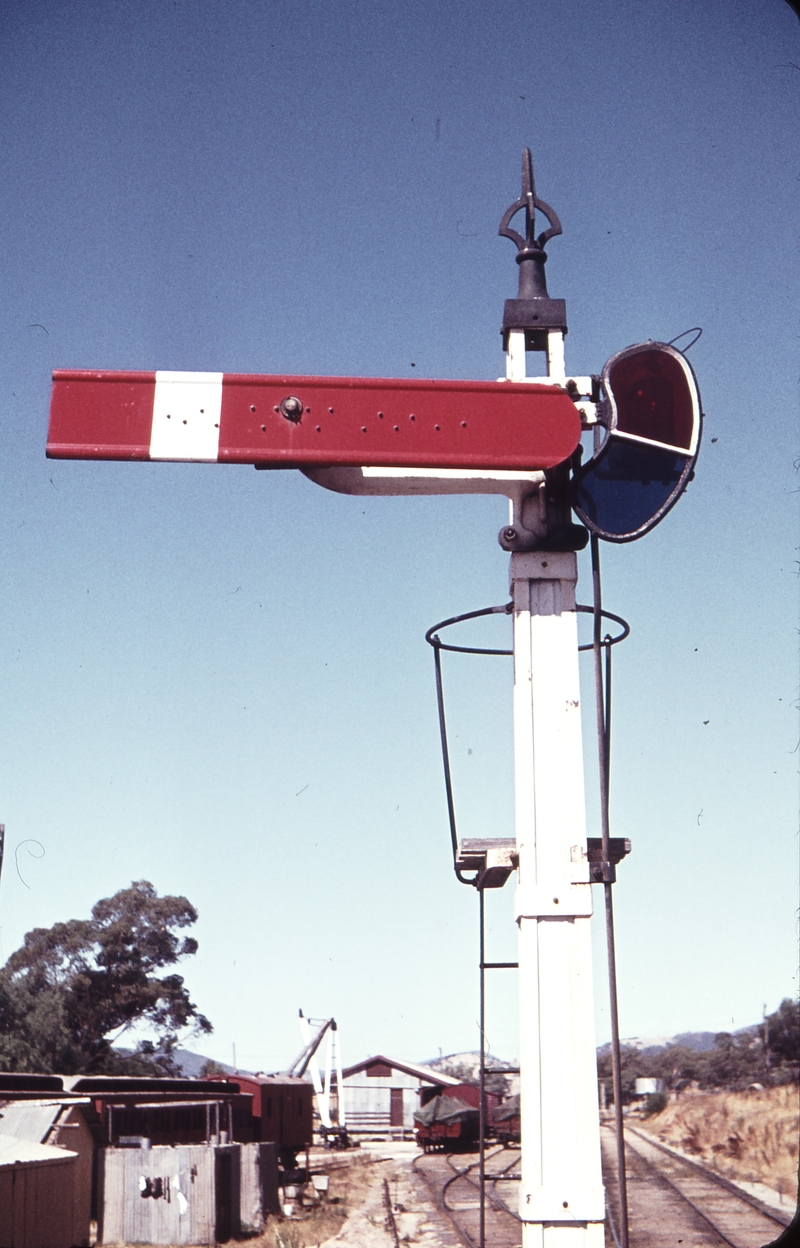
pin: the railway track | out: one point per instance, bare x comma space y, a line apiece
675, 1201
452, 1179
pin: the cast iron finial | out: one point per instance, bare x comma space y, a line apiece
533, 310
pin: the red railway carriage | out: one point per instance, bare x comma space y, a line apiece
282, 1110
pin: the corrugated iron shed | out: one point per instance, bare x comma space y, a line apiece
21, 1152
37, 1194
381, 1093
101, 1085
69, 1125
29, 1120
187, 1194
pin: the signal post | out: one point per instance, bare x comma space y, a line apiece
518, 437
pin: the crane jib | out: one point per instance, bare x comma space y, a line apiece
295, 422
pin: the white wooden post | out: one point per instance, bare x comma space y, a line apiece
325, 1112
342, 1116
561, 1194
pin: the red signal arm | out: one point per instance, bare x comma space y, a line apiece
345, 421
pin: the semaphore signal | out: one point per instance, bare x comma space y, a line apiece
519, 436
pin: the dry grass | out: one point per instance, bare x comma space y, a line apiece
745, 1135
323, 1223
351, 1180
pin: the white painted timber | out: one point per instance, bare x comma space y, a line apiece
561, 1198
340, 1084
186, 416
416, 481
313, 1069
559, 1205
556, 368
537, 901
515, 355
325, 1104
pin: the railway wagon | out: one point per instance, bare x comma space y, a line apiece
505, 1122
447, 1122
451, 1119
282, 1111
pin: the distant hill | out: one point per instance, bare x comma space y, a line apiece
192, 1063
697, 1041
465, 1066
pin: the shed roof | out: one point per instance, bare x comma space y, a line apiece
13, 1151
290, 1081
14, 1084
29, 1120
425, 1073
103, 1084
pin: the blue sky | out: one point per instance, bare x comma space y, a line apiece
216, 679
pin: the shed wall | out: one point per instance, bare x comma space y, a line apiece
133, 1212
369, 1101
259, 1185
72, 1132
37, 1204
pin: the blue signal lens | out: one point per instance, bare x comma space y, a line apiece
624, 487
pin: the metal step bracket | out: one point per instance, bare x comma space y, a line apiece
494, 858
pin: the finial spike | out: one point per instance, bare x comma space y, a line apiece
528, 186
533, 309
530, 202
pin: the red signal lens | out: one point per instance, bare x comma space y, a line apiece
653, 398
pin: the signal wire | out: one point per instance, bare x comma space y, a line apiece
482, 1076
602, 688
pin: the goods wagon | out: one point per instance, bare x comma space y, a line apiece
451, 1119
505, 1121
447, 1123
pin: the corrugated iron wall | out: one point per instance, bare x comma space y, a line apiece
259, 1186
188, 1194
36, 1204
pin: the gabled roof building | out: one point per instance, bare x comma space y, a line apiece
381, 1094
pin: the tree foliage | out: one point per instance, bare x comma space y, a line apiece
74, 989
211, 1067
782, 1032
766, 1054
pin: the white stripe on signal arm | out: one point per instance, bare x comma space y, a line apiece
186, 416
